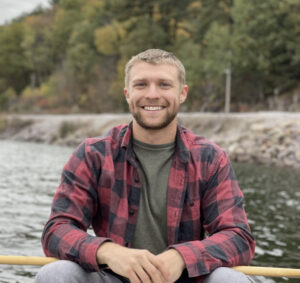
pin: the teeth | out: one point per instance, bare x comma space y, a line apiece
152, 108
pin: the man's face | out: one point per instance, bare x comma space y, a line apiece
154, 94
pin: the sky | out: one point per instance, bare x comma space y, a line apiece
10, 9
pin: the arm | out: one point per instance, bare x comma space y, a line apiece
73, 207
230, 242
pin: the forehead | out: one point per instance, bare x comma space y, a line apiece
148, 71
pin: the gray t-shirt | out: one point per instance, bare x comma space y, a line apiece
154, 166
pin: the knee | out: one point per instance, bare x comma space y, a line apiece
57, 272
225, 274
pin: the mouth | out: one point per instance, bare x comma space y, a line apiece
153, 108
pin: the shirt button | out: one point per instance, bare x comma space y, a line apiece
136, 179
131, 212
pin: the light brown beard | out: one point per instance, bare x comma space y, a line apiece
139, 119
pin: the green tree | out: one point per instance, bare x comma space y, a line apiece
267, 38
210, 25
67, 15
36, 47
13, 70
77, 49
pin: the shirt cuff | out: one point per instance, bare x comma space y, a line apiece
191, 256
90, 253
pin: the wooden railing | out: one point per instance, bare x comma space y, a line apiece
249, 270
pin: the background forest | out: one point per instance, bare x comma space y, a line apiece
71, 57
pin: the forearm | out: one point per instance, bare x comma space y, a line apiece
73, 209
224, 219
230, 247
65, 241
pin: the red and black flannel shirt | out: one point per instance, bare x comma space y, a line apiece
101, 185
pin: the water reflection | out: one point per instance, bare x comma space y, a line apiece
29, 175
273, 205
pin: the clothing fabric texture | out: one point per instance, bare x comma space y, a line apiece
154, 162
100, 187
65, 271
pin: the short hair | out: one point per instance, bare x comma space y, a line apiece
155, 56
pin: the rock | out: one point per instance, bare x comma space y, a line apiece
263, 137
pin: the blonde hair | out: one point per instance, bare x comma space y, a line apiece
155, 56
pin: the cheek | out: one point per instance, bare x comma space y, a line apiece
178, 99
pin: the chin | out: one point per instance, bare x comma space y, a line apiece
154, 125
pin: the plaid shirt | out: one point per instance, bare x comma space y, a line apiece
100, 186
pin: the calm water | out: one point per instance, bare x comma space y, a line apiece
30, 173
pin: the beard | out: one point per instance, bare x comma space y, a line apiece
149, 124
154, 126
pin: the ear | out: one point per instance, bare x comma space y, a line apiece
183, 94
126, 93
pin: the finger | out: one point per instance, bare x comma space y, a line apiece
159, 265
153, 272
133, 278
142, 274
159, 278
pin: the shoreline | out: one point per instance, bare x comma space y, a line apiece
270, 138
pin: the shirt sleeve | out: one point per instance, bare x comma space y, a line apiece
74, 206
229, 242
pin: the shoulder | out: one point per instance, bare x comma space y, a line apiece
202, 148
108, 143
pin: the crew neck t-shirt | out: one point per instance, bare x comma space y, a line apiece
154, 162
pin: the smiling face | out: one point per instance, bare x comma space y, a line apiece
154, 95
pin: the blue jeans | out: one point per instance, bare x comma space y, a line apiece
64, 271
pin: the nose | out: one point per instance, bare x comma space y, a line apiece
152, 92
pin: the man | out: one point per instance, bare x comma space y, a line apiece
164, 203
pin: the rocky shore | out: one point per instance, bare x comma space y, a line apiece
271, 138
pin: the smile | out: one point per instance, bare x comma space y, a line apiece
153, 108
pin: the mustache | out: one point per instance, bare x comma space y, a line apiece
152, 102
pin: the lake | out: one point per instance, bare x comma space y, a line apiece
30, 174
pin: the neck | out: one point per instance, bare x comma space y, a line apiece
161, 136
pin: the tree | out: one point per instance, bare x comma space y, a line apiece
267, 38
78, 49
13, 70
36, 47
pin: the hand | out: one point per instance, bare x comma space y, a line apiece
137, 265
172, 263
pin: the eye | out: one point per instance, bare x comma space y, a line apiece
165, 85
139, 85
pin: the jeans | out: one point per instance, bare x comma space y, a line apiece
64, 271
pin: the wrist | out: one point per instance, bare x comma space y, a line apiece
103, 253
179, 259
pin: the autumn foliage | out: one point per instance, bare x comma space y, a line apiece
71, 57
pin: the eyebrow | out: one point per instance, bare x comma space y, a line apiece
138, 80
145, 79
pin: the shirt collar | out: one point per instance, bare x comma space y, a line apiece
181, 142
